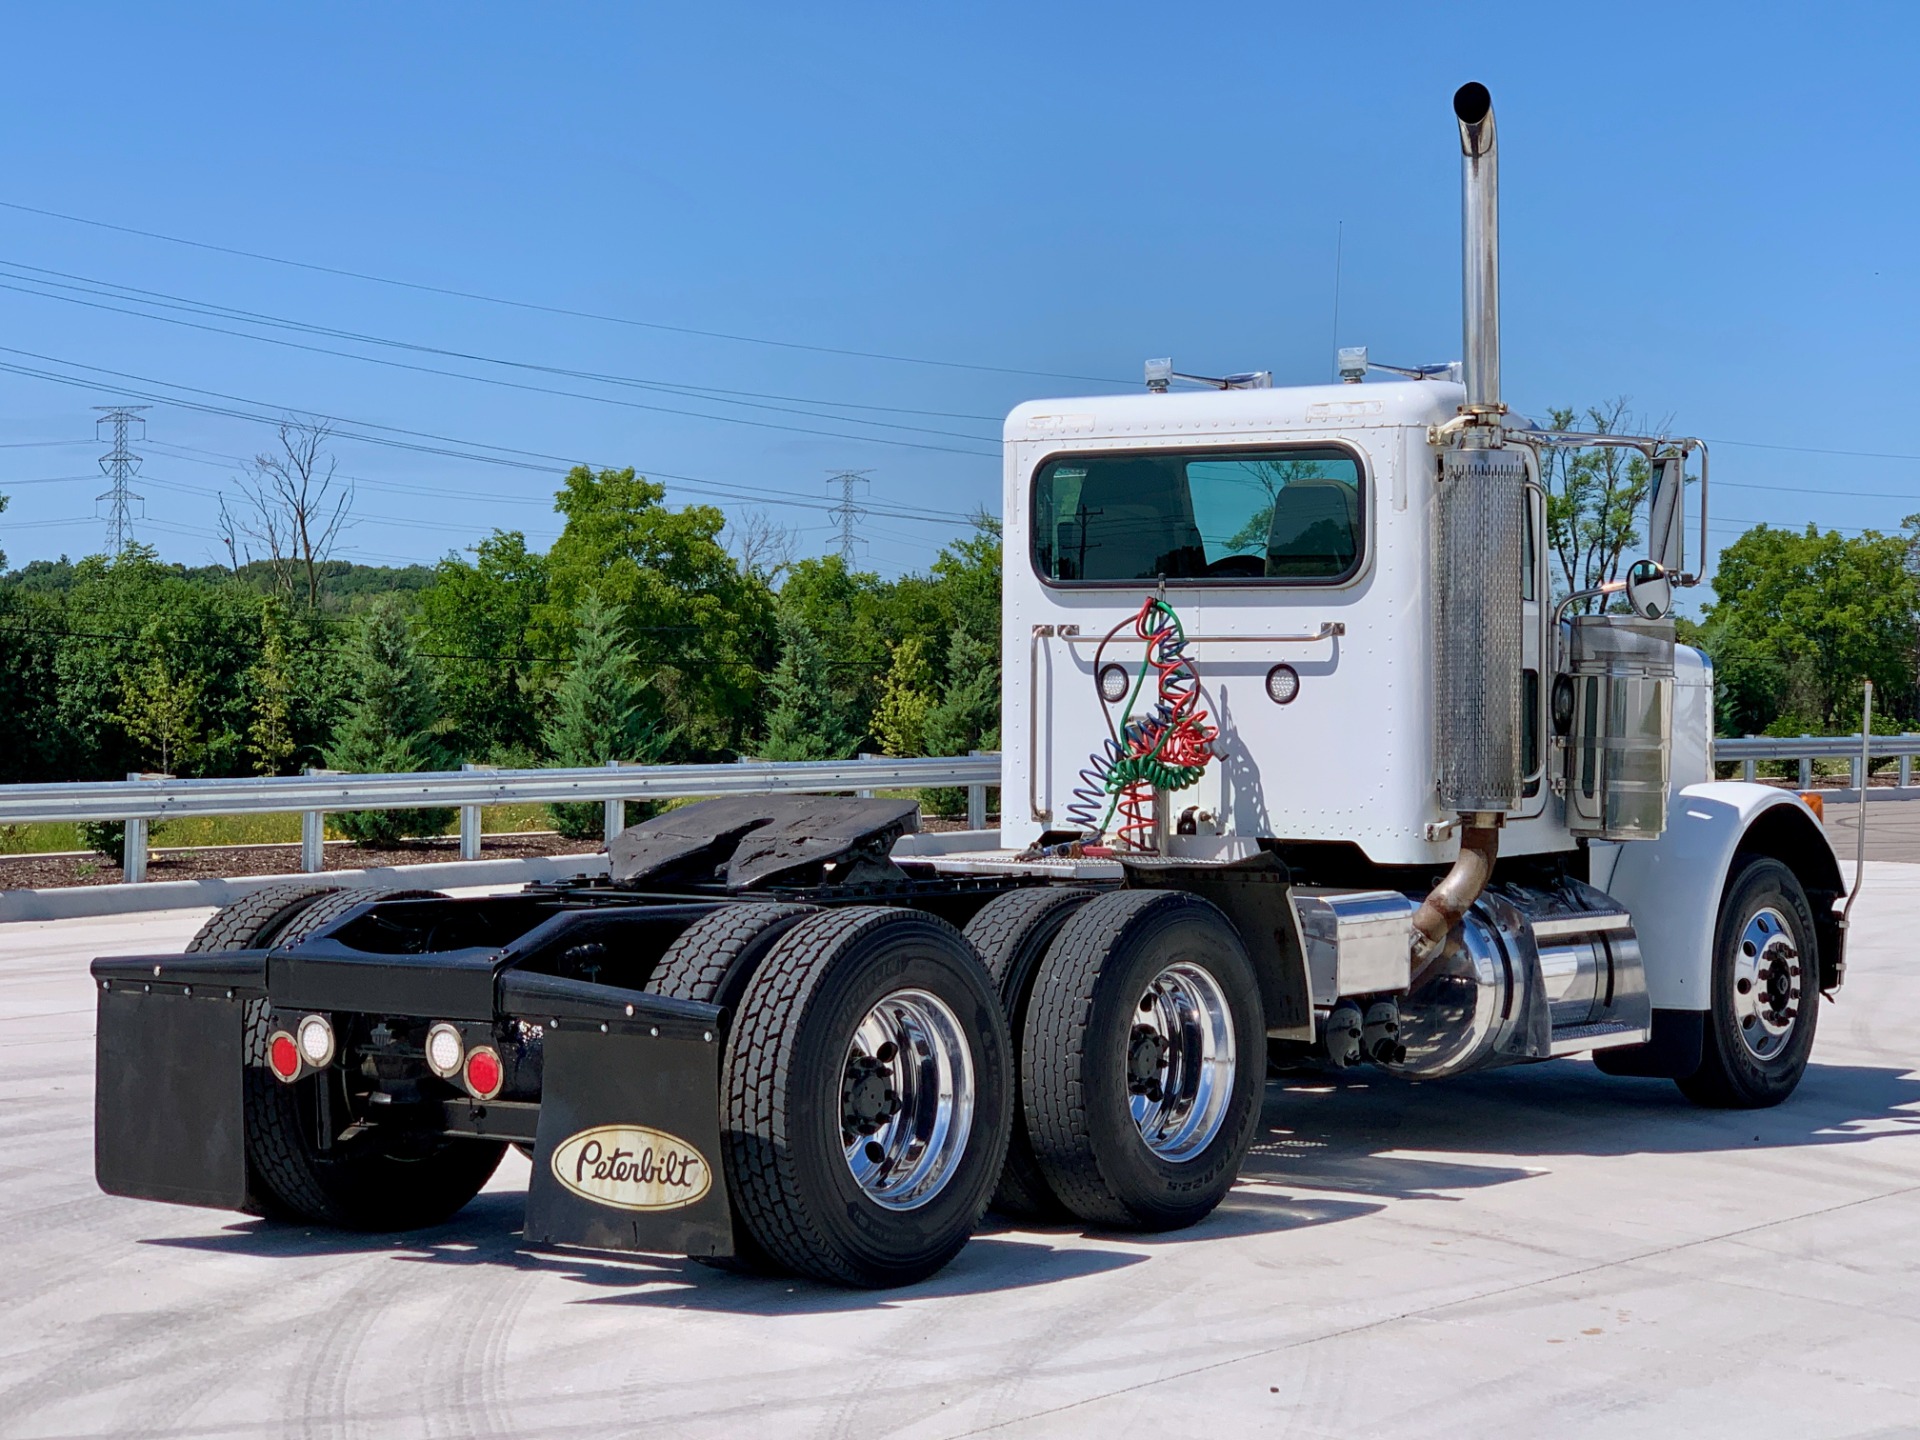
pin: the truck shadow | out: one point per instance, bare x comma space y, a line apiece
1334, 1132
1332, 1137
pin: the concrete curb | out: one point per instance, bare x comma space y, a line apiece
73, 902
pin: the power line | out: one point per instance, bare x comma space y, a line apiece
845, 514
541, 389
549, 309
120, 465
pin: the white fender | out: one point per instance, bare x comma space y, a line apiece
1673, 885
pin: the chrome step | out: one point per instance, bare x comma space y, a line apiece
1605, 1036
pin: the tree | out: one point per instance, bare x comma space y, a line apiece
292, 508
968, 715
696, 623
1801, 619
476, 619
388, 723
761, 547
270, 736
601, 710
900, 720
160, 711
806, 722
1593, 497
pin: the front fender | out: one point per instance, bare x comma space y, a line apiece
1673, 885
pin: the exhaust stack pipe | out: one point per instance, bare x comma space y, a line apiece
1480, 245
1477, 565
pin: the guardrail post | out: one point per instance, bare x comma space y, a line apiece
976, 802
313, 835
1806, 768
1906, 768
866, 794
470, 822
614, 816
1747, 767
133, 854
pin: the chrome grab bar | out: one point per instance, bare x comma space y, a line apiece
1040, 633
1328, 630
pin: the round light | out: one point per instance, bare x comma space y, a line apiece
1114, 684
316, 1041
283, 1056
444, 1050
1283, 683
485, 1074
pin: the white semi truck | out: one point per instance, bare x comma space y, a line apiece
1303, 760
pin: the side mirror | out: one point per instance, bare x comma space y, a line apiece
1667, 514
1649, 590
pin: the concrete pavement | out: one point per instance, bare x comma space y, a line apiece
1538, 1251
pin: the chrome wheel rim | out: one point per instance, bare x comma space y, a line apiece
1180, 1062
1766, 983
906, 1099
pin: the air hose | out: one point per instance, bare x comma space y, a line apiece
1166, 747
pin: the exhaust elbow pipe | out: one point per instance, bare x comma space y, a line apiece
1480, 248
1448, 904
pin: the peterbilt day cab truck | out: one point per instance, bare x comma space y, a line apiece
1303, 761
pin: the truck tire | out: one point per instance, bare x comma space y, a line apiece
253, 920
1766, 991
712, 962
1012, 935
419, 1181
1144, 1060
715, 957
868, 1093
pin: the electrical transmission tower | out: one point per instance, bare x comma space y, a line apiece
120, 465
846, 513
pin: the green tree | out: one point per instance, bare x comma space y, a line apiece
805, 722
476, 619
900, 720
968, 715
1594, 497
270, 735
388, 723
695, 621
602, 710
160, 711
1801, 618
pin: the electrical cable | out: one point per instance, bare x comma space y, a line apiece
546, 309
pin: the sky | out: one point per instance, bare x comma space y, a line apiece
797, 241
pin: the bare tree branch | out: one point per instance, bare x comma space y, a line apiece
759, 545
294, 507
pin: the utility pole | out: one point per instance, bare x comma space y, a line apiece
120, 466
846, 512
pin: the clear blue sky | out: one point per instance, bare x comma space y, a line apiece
1710, 209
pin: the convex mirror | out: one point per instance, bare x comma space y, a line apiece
1649, 590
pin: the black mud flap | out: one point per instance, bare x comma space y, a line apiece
628, 1149
168, 1114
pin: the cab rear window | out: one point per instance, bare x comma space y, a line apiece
1293, 515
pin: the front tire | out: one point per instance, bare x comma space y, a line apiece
1144, 1060
868, 1083
1766, 992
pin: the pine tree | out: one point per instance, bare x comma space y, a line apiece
806, 722
388, 724
599, 710
270, 735
968, 715
900, 720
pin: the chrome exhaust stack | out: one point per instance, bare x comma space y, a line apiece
1480, 248
1477, 563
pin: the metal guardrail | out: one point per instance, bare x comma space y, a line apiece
140, 800
1749, 750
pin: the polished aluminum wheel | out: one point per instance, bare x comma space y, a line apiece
1766, 983
906, 1099
1180, 1062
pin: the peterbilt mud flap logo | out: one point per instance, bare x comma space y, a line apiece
632, 1167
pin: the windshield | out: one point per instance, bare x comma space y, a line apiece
1278, 515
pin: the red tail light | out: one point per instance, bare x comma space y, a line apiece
484, 1073
283, 1056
